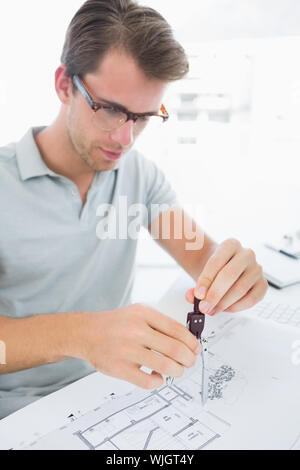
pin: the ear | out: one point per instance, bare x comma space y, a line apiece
63, 85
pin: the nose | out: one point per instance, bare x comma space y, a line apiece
124, 135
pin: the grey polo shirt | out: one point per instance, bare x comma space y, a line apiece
56, 256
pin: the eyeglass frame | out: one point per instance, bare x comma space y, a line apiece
84, 90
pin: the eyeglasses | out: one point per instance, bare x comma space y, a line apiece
109, 117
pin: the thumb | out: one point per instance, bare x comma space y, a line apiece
189, 295
201, 288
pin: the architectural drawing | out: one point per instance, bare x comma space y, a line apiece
173, 418
167, 418
225, 382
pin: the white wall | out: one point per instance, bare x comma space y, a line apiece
243, 175
31, 40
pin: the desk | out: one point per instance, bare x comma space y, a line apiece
52, 411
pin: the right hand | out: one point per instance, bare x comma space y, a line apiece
119, 342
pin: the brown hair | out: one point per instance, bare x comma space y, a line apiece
101, 25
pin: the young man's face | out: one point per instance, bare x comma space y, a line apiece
117, 80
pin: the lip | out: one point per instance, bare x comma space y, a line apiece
111, 155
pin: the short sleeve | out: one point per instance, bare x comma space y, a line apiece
159, 195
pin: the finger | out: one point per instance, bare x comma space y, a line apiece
172, 328
132, 373
215, 263
226, 278
256, 294
174, 349
240, 288
159, 363
189, 295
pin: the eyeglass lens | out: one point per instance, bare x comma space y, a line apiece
108, 119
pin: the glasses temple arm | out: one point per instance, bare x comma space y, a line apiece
82, 90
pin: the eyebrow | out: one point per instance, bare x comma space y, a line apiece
121, 107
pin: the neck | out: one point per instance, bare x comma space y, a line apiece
60, 156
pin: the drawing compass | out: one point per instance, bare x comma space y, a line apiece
195, 323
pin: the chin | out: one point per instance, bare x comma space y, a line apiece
98, 164
104, 165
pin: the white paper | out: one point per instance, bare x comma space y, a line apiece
254, 396
253, 401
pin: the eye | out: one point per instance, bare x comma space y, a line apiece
144, 118
110, 111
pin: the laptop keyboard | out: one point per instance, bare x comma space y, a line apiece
280, 313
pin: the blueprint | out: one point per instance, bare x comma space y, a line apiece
162, 419
167, 418
250, 375
253, 400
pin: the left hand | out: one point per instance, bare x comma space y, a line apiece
230, 281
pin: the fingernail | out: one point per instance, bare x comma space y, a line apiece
198, 350
200, 292
204, 307
212, 312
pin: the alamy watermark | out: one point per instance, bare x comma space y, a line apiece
2, 353
296, 352
122, 221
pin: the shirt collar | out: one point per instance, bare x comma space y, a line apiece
29, 159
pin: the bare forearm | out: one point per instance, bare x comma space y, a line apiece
194, 261
192, 248
37, 340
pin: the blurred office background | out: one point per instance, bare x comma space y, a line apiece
232, 146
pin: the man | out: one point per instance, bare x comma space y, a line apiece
64, 288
